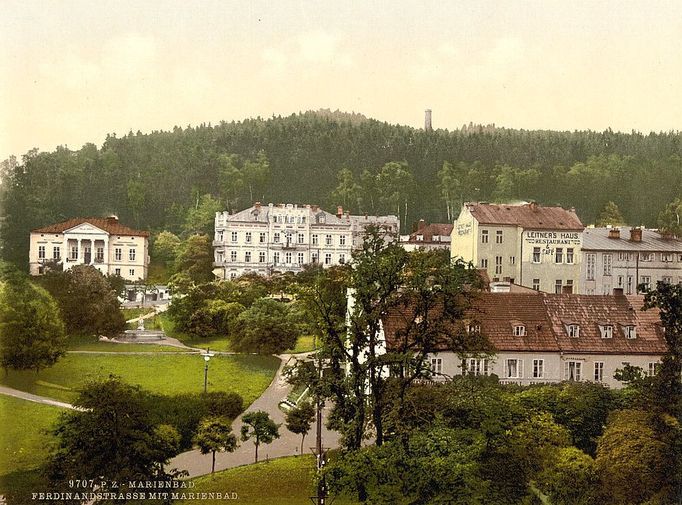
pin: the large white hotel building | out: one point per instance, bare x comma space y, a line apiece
285, 237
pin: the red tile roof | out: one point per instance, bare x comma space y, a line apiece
430, 230
109, 224
545, 317
529, 216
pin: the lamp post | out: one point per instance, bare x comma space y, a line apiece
207, 357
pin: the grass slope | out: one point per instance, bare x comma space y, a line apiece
284, 481
247, 375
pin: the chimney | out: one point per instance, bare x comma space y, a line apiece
618, 292
614, 233
112, 219
636, 234
427, 120
257, 205
421, 225
533, 206
567, 290
339, 211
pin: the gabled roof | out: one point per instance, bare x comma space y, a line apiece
530, 216
545, 317
432, 230
109, 224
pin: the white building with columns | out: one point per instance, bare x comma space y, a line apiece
285, 237
112, 248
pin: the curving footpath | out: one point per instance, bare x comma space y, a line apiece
288, 444
4, 390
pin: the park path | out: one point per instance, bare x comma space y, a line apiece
7, 391
288, 444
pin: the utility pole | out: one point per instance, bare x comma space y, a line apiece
320, 454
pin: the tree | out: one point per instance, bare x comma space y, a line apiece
670, 218
347, 191
630, 459
451, 189
395, 184
165, 248
299, 419
258, 426
111, 437
255, 173
87, 301
201, 217
215, 317
610, 216
569, 478
266, 328
31, 330
230, 180
215, 434
195, 259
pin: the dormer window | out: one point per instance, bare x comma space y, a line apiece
474, 328
519, 330
420, 238
629, 331
573, 330
606, 330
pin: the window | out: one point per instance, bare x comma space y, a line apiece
474, 328
219, 236
342, 259
573, 370
436, 366
559, 255
666, 257
275, 258
538, 368
590, 260
301, 238
327, 259
233, 255
557, 286
74, 252
276, 238
573, 330
118, 254
607, 264
474, 366
620, 281
313, 257
287, 258
328, 240
131, 254
623, 256
233, 275
484, 262
646, 281
261, 238
132, 272
247, 257
498, 237
315, 240
248, 237
667, 280
519, 330
342, 240
56, 252
498, 265
41, 252
234, 236
569, 286
598, 371
536, 284
117, 271
512, 260
629, 331
513, 368
569, 255
536, 255
261, 257
652, 368
300, 258
606, 330
646, 257
630, 282
484, 236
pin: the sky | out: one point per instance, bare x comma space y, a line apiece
74, 71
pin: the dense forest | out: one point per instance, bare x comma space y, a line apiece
156, 181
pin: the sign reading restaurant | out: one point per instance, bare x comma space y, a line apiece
552, 237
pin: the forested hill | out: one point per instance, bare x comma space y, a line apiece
153, 181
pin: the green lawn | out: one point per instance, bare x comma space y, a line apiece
246, 375
23, 437
284, 481
136, 312
305, 343
158, 273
